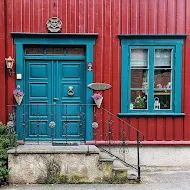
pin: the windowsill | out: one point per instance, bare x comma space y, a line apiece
151, 114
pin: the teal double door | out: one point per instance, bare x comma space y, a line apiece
54, 99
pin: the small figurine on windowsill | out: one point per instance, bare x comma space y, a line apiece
169, 85
156, 103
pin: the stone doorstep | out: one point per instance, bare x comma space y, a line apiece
117, 168
105, 157
49, 149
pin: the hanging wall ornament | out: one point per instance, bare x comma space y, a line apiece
54, 25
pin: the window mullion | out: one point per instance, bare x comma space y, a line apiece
125, 79
151, 80
178, 78
173, 78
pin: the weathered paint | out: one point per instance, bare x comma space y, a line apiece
108, 18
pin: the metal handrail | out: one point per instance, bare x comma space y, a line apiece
109, 132
137, 141
123, 121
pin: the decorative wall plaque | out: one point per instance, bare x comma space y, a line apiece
54, 24
99, 86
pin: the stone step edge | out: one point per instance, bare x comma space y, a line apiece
106, 159
45, 149
131, 175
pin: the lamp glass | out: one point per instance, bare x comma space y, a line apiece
9, 64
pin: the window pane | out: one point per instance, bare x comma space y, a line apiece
139, 78
163, 58
138, 99
34, 51
162, 78
162, 99
56, 51
139, 58
74, 51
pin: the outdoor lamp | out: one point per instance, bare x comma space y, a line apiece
9, 63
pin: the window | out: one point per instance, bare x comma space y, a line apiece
59, 50
151, 74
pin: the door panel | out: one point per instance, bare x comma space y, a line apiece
37, 98
72, 75
47, 99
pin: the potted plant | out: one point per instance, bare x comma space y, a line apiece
18, 94
97, 99
140, 102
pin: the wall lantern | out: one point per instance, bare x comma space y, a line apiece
9, 63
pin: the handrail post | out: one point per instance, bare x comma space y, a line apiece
138, 157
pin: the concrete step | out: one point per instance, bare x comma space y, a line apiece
120, 167
65, 164
54, 164
48, 148
105, 157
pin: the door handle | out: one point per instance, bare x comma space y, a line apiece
70, 91
55, 99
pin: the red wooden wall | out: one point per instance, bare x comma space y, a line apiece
108, 18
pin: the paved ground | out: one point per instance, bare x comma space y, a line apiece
170, 180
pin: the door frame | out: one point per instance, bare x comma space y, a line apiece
87, 40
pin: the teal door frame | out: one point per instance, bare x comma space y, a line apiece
87, 40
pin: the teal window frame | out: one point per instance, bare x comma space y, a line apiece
151, 42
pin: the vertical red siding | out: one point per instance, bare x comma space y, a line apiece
108, 18
10, 17
180, 16
45, 15
160, 129
178, 129
143, 20
115, 80
186, 89
151, 126
171, 17
135, 123
125, 16
26, 18
169, 128
152, 17
134, 16
161, 16
2, 64
143, 126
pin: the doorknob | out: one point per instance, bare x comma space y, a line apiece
55, 99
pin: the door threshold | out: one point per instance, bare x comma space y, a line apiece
65, 144
53, 143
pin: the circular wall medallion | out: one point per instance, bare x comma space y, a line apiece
54, 24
